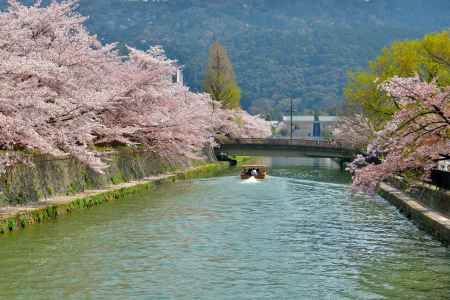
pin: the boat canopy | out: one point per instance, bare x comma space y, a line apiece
253, 166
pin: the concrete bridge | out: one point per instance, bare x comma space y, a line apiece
321, 148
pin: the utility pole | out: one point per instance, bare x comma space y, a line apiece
292, 123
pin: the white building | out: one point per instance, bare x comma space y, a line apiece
444, 165
303, 126
179, 78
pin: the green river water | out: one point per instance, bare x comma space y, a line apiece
300, 234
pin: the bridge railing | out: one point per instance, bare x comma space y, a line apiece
320, 142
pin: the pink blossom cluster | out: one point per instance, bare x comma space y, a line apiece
355, 131
240, 124
417, 137
63, 92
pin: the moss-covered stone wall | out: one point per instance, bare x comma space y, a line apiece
47, 177
53, 209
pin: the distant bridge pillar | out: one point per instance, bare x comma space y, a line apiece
316, 127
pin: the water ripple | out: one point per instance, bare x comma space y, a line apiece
288, 237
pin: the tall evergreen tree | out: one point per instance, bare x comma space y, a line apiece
219, 79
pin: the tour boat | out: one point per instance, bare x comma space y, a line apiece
259, 170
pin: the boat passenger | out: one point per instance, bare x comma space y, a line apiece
254, 172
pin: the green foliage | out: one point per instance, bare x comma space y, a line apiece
117, 178
436, 48
12, 224
428, 57
361, 91
238, 120
219, 79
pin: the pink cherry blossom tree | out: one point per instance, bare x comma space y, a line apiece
355, 131
63, 92
234, 124
417, 137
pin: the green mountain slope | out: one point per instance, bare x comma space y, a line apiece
284, 48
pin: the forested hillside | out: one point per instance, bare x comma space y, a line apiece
284, 48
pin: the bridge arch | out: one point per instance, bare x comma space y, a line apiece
320, 148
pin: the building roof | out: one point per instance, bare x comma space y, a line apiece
328, 118
299, 118
310, 118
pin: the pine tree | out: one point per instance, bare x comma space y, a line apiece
219, 80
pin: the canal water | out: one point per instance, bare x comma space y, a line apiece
300, 234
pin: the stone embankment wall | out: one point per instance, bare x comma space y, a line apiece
427, 206
429, 195
47, 177
14, 218
51, 187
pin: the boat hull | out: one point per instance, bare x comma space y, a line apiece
246, 176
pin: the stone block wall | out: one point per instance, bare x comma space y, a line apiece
429, 195
48, 176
